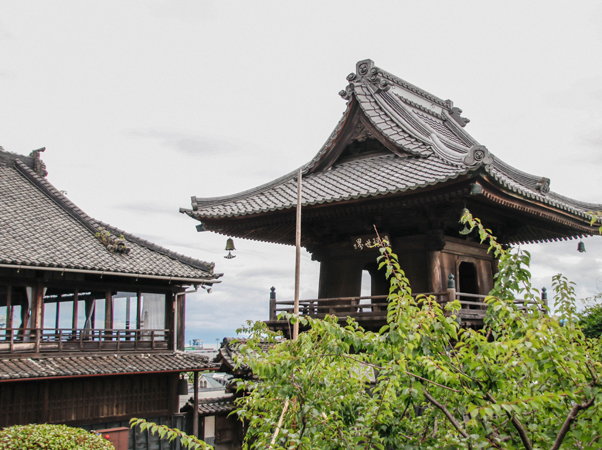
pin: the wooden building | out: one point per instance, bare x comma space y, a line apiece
91, 317
399, 159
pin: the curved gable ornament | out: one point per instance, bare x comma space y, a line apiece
478, 155
365, 71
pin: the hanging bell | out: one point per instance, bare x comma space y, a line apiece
230, 247
182, 386
465, 230
581, 247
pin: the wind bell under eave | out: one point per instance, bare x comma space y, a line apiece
230, 247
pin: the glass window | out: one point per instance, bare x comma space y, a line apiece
66, 315
153, 315
3, 308
124, 310
49, 315
153, 312
99, 313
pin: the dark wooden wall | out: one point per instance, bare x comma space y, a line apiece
427, 261
87, 399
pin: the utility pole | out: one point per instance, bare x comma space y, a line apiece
298, 257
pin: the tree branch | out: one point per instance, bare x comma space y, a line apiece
279, 423
566, 426
445, 411
517, 424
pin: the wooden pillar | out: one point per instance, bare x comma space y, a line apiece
170, 320
75, 309
37, 312
138, 335
9, 312
195, 409
58, 313
128, 310
108, 311
340, 277
435, 283
138, 309
181, 308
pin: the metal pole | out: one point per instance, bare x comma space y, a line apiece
298, 257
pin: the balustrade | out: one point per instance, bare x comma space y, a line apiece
47, 340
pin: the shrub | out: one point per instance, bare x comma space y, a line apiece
51, 437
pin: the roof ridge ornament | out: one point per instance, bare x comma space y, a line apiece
38, 165
113, 243
365, 71
455, 113
543, 185
478, 155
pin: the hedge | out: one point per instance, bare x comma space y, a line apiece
51, 437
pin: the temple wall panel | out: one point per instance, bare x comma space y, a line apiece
85, 399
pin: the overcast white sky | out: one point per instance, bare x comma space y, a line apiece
142, 104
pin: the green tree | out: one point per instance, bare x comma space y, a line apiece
423, 382
590, 318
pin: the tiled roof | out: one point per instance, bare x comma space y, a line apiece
41, 227
228, 353
376, 175
113, 364
428, 146
212, 406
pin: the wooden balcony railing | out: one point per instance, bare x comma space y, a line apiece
374, 308
48, 340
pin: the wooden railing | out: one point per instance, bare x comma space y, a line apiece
375, 307
43, 340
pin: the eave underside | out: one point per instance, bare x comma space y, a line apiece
513, 219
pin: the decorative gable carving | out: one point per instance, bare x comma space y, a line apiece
361, 133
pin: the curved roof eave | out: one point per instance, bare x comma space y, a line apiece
403, 122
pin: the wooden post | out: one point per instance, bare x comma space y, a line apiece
127, 312
108, 315
451, 288
9, 313
170, 321
434, 274
138, 316
273, 303
75, 309
297, 257
195, 409
58, 314
181, 318
38, 314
